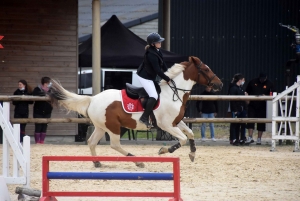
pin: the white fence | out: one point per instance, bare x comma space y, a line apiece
21, 153
285, 119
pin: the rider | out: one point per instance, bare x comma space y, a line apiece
152, 66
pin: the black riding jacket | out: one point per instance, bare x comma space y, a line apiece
256, 88
21, 107
153, 65
41, 107
237, 106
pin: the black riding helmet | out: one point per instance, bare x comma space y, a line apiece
154, 38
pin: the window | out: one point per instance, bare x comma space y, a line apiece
85, 80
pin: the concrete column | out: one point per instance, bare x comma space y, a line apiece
166, 24
96, 54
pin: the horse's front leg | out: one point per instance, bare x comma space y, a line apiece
176, 132
186, 130
93, 141
116, 145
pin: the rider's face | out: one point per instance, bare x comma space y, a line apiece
157, 45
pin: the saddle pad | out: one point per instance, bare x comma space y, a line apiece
133, 105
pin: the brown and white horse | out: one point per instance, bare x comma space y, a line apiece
107, 115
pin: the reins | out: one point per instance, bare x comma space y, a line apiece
175, 90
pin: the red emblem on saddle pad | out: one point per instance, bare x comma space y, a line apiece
133, 105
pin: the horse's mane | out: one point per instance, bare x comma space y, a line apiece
173, 72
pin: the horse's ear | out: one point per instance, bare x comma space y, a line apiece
192, 59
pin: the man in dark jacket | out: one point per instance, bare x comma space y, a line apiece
231, 126
209, 109
260, 86
237, 107
41, 109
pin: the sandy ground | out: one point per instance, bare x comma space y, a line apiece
218, 173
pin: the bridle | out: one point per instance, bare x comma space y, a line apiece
209, 80
205, 76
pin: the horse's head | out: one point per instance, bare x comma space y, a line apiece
199, 72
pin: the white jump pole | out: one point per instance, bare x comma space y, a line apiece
274, 123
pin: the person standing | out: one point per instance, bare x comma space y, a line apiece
237, 107
231, 125
152, 66
41, 109
260, 86
22, 107
208, 109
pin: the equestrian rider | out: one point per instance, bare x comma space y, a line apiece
152, 66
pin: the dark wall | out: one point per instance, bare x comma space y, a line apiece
234, 36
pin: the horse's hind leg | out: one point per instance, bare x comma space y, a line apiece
93, 141
186, 130
116, 145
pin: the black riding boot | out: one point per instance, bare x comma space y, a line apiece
149, 107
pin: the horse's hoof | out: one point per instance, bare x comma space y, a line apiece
192, 156
97, 164
140, 165
163, 150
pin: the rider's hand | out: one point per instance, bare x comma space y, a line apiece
169, 81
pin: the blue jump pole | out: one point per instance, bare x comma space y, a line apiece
111, 175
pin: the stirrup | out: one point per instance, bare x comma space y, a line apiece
146, 122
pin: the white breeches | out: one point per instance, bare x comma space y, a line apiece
149, 87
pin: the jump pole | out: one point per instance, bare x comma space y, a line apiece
51, 195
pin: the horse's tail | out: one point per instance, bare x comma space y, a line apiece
67, 99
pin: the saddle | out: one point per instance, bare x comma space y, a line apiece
134, 99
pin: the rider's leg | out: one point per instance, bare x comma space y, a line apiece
151, 91
149, 107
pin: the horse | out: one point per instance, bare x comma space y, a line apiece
107, 114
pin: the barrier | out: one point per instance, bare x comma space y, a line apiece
186, 120
286, 118
21, 153
51, 195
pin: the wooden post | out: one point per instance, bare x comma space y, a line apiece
96, 55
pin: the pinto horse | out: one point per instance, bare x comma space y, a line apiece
107, 114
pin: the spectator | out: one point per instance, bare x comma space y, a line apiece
237, 108
209, 109
41, 109
231, 127
21, 107
241, 127
260, 86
